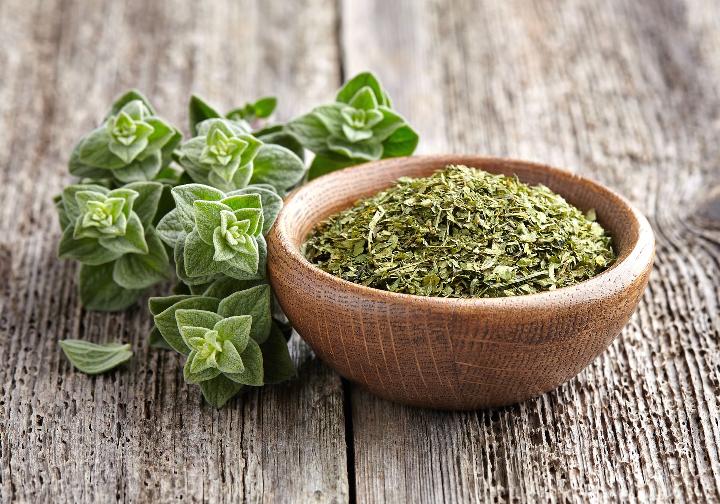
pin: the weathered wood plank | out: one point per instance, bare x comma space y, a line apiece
140, 434
627, 93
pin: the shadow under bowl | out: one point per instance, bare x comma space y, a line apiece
456, 353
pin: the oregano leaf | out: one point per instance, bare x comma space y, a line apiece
99, 292
218, 391
91, 358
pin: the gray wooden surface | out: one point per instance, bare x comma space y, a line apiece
627, 92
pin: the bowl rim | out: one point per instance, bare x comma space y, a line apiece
618, 278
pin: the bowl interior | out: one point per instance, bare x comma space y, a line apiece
332, 193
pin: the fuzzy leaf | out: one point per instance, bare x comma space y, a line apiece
170, 229
310, 131
146, 202
196, 318
254, 302
253, 361
160, 304
271, 203
91, 358
278, 135
196, 371
179, 256
186, 195
99, 292
277, 166
94, 151
236, 329
224, 286
357, 83
139, 271
369, 150
132, 242
167, 324
127, 97
229, 360
140, 169
207, 218
218, 391
198, 257
84, 250
199, 111
401, 143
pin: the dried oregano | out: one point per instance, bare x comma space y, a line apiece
462, 232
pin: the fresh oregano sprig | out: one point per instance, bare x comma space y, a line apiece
360, 126
111, 233
131, 144
209, 201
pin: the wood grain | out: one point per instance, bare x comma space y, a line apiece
625, 92
140, 434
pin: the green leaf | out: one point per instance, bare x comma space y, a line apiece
99, 292
91, 358
140, 169
179, 256
229, 360
322, 165
84, 250
94, 150
360, 81
207, 218
370, 150
224, 286
277, 166
132, 242
253, 361
160, 304
69, 198
192, 317
278, 135
236, 329
170, 229
198, 257
277, 363
196, 371
186, 195
310, 131
146, 203
218, 391
390, 122
265, 106
162, 134
139, 271
242, 265
255, 302
401, 143
364, 99
270, 202
167, 324
128, 97
199, 111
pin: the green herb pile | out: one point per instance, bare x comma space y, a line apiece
148, 203
461, 233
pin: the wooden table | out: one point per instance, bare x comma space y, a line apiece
626, 92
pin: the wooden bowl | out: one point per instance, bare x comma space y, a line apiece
456, 353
